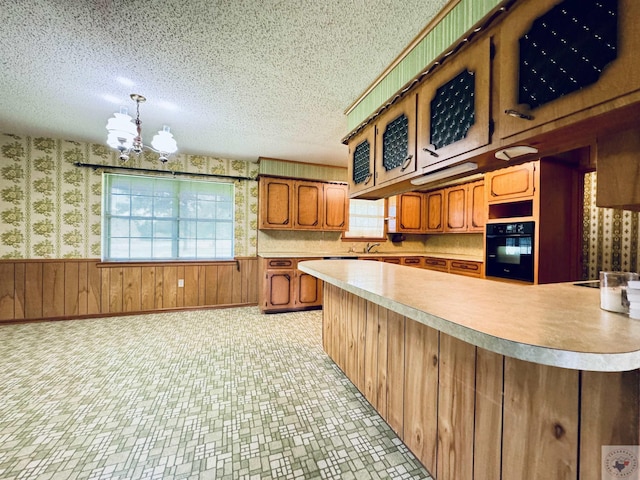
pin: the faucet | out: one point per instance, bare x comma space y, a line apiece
370, 246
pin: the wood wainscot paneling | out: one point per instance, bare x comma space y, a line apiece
73, 288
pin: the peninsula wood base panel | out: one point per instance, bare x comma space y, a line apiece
468, 413
75, 288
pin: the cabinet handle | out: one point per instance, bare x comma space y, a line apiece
368, 179
406, 163
517, 114
431, 152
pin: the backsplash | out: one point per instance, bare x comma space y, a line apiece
50, 208
611, 237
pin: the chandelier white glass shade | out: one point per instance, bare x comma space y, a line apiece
125, 134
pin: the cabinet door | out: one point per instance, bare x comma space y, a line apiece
455, 209
308, 203
336, 207
476, 207
396, 141
453, 106
560, 58
434, 203
511, 183
361, 160
308, 290
409, 213
276, 196
278, 290
465, 267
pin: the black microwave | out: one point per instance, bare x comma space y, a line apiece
510, 251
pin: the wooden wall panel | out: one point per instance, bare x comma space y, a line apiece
609, 404
395, 372
53, 298
20, 290
540, 432
116, 289
94, 305
225, 285
33, 290
83, 287
383, 352
131, 279
37, 289
147, 288
456, 400
488, 419
370, 378
421, 392
7, 291
191, 293
169, 287
71, 288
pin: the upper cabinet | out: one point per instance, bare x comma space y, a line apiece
361, 160
287, 204
465, 208
559, 58
407, 213
275, 197
396, 141
453, 106
511, 183
385, 150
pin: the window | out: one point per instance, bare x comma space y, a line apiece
366, 219
155, 218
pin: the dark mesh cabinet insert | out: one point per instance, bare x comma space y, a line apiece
567, 49
453, 110
395, 143
361, 156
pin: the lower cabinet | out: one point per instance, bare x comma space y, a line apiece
460, 267
286, 288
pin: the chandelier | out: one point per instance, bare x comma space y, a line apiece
125, 134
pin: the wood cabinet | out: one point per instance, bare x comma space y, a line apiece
476, 207
288, 204
434, 209
439, 264
286, 288
547, 73
384, 151
362, 149
276, 203
453, 107
469, 268
335, 207
407, 213
455, 201
511, 183
619, 170
412, 261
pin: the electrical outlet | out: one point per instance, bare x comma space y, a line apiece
181, 282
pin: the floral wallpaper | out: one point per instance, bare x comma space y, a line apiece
50, 208
611, 237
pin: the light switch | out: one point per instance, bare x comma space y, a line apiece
181, 282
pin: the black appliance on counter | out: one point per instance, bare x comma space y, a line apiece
510, 250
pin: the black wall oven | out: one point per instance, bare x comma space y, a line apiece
510, 252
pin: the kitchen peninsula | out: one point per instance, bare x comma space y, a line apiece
485, 379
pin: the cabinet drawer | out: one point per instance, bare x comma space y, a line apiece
280, 263
440, 264
412, 261
461, 267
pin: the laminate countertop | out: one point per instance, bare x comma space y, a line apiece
559, 324
449, 256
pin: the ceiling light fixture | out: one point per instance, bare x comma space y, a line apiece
507, 154
445, 173
125, 134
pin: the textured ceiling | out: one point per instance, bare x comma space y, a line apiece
236, 79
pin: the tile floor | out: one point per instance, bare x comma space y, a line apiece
201, 394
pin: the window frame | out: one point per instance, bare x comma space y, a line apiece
382, 238
183, 194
